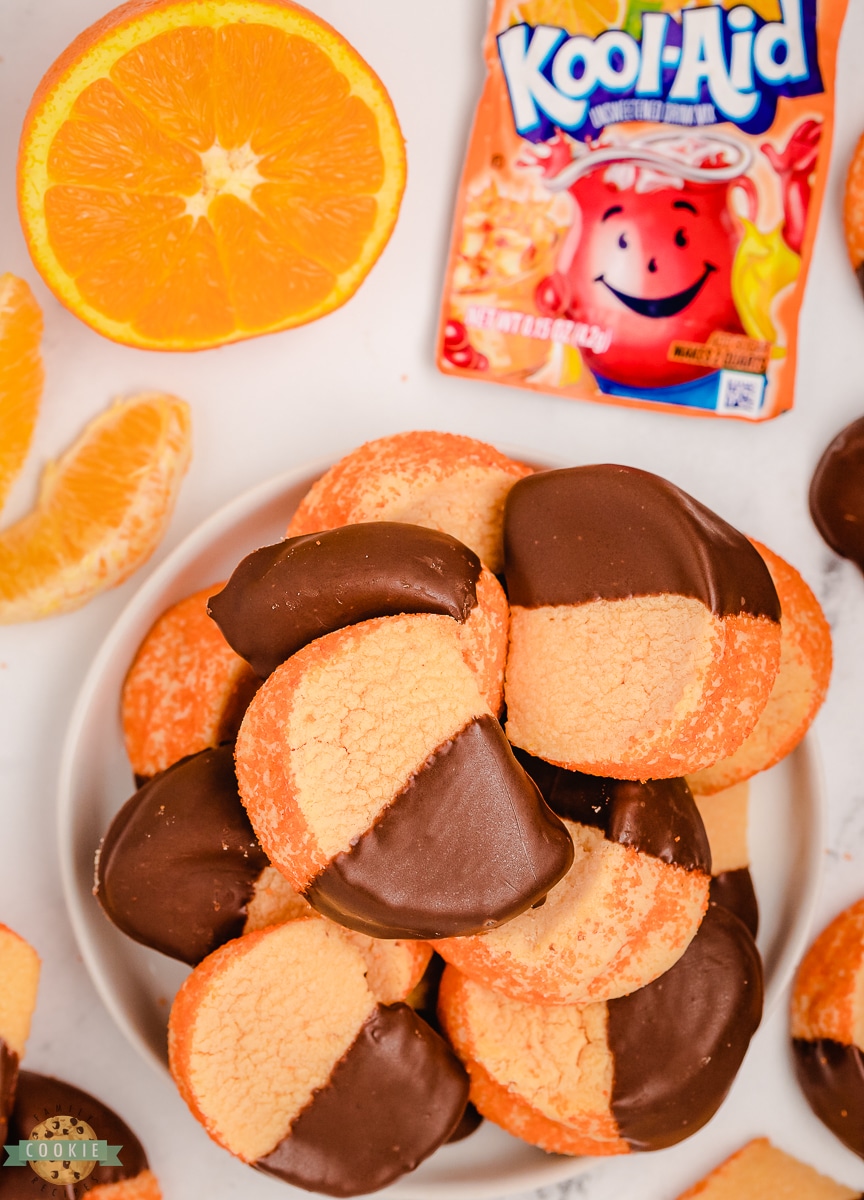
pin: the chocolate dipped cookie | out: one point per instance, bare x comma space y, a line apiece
837, 493
381, 786
181, 871
636, 1073
645, 631
440, 480
725, 816
827, 1026
48, 1108
19, 982
282, 597
624, 913
759, 1171
798, 691
186, 689
318, 1081
178, 868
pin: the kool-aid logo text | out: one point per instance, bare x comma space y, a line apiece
713, 65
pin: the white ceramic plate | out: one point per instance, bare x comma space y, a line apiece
137, 984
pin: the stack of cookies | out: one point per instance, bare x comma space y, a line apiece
476, 702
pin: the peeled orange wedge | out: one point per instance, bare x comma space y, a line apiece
21, 376
102, 509
194, 172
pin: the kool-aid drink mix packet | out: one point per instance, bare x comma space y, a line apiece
640, 199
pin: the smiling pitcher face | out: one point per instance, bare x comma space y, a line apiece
652, 263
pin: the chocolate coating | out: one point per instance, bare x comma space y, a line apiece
424, 1001
658, 817
837, 493
734, 890
8, 1082
467, 844
394, 1098
282, 597
831, 1076
677, 1044
608, 532
179, 862
470, 1123
40, 1097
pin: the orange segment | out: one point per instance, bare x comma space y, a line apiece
169, 79
193, 172
102, 509
21, 376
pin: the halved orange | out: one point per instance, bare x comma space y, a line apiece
102, 509
194, 172
21, 376
588, 17
769, 10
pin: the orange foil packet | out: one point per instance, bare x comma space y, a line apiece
640, 198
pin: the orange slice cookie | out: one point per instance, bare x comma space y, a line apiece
837, 494
760, 1170
798, 691
282, 597
725, 816
19, 982
828, 1027
644, 630
185, 691
191, 174
641, 1072
381, 786
624, 913
853, 212
314, 1079
440, 480
78, 1115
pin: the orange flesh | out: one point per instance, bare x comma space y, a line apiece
101, 511
21, 376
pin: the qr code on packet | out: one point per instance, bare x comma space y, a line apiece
740, 393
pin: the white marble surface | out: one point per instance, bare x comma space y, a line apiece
364, 371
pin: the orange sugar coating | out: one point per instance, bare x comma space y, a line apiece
483, 638
19, 973
142, 1187
828, 993
185, 691
542, 1073
337, 731
798, 691
259, 1025
440, 480
724, 815
643, 688
760, 1171
615, 922
853, 207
